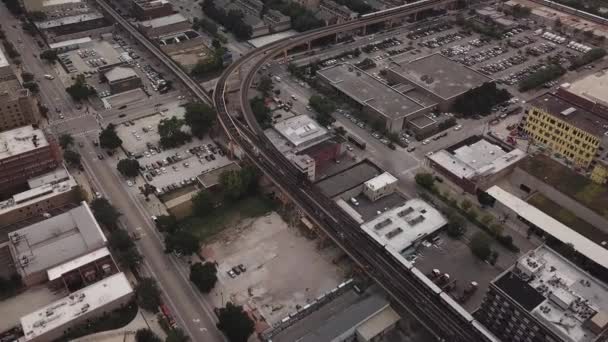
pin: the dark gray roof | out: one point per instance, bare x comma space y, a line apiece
519, 290
347, 179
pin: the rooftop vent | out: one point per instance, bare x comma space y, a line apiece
383, 224
416, 220
568, 111
405, 212
394, 233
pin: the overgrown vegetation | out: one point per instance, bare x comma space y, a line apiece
232, 20
589, 57
302, 19
108, 138
261, 112
148, 294
171, 133
324, 107
548, 73
235, 323
200, 117
480, 100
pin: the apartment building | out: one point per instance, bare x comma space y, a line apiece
17, 105
568, 130
25, 153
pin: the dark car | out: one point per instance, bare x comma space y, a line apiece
122, 107
236, 270
100, 156
242, 268
122, 115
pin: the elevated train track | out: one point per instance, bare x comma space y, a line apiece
387, 268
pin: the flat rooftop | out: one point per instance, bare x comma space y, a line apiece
74, 19
551, 226
571, 113
369, 91
56, 240
380, 181
120, 73
401, 227
70, 42
477, 157
301, 131
59, 270
3, 61
440, 75
592, 87
59, 2
21, 140
164, 21
354, 176
558, 293
61, 312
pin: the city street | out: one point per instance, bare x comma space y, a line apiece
191, 309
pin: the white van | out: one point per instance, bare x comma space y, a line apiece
49, 77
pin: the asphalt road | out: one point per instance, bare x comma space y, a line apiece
191, 309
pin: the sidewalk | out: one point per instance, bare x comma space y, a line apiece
143, 320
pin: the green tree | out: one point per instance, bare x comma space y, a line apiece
105, 213
167, 223
265, 86
199, 117
485, 199
108, 138
148, 294
425, 180
235, 323
129, 258
71, 157
146, 335
202, 203
66, 140
120, 240
177, 335
27, 76
466, 204
49, 55
456, 225
322, 105
181, 241
496, 229
80, 90
204, 276
171, 134
261, 112
128, 167
232, 184
487, 219
480, 245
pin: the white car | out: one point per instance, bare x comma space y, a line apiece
458, 127
426, 142
129, 183
98, 194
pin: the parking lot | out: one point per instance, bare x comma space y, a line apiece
170, 169
269, 251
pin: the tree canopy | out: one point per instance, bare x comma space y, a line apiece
177, 335
480, 245
202, 203
261, 112
265, 86
204, 276
480, 100
49, 55
128, 167
80, 90
66, 140
237, 183
232, 20
171, 134
199, 117
105, 213
167, 223
71, 157
181, 241
108, 138
235, 323
425, 180
549, 73
148, 294
146, 335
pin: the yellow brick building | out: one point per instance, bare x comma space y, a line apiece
565, 128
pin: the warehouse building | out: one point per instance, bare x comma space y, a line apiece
436, 76
476, 162
404, 227
156, 27
25, 153
545, 297
122, 79
54, 241
52, 321
150, 9
378, 101
72, 24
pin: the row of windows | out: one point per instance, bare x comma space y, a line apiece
547, 119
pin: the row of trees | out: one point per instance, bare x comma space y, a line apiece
324, 107
541, 76
302, 19
80, 90
480, 100
66, 141
232, 20
589, 57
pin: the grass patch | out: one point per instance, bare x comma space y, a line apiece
567, 217
108, 321
568, 182
228, 215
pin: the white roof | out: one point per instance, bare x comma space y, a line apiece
21, 140
477, 159
164, 21
119, 73
301, 130
69, 20
58, 271
61, 312
3, 61
57, 175
380, 181
551, 226
56, 240
59, 2
400, 227
70, 42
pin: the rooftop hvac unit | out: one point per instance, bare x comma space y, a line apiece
416, 220
405, 212
383, 224
394, 233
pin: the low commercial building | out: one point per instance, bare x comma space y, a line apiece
69, 25
122, 79
380, 186
378, 100
156, 27
565, 128
349, 182
72, 44
404, 227
50, 322
54, 241
304, 164
437, 77
45, 192
333, 13
277, 21
18, 106
476, 162
545, 297
150, 9
25, 153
